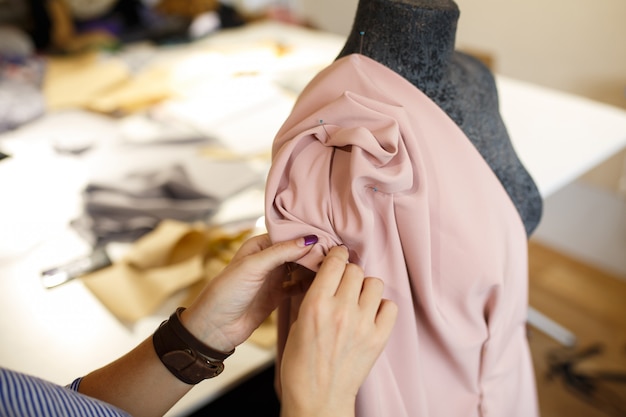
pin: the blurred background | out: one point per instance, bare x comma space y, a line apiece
62, 55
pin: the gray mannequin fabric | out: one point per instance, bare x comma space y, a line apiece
416, 39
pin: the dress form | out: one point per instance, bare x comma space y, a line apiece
416, 39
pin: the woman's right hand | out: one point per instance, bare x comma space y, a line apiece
342, 327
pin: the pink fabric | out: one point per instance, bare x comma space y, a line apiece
367, 160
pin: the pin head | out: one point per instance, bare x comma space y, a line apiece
324, 126
361, 45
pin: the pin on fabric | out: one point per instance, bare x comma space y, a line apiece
324, 127
362, 33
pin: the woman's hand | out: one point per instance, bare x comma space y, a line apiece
227, 311
244, 294
342, 327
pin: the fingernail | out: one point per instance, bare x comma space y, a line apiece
310, 240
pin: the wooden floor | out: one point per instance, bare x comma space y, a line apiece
591, 304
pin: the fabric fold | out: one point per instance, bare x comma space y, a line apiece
367, 160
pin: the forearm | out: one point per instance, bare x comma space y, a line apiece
222, 317
137, 382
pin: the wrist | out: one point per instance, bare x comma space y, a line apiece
183, 354
323, 411
205, 331
291, 407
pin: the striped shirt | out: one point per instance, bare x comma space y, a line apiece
23, 395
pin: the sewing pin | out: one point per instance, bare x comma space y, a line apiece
324, 127
361, 47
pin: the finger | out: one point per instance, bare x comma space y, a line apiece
265, 260
371, 296
253, 245
330, 272
386, 318
351, 284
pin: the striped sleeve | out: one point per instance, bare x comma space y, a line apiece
27, 396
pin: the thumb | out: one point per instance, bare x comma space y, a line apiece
273, 256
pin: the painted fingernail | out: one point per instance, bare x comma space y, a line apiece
310, 240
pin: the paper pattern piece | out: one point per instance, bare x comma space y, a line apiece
175, 257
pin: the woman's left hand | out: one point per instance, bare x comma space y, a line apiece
245, 293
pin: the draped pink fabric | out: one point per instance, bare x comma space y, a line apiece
367, 160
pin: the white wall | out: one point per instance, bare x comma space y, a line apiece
573, 45
332, 15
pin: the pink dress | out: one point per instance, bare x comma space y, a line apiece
367, 160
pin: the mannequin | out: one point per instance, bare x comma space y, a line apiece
392, 176
415, 38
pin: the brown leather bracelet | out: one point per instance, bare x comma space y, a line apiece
186, 357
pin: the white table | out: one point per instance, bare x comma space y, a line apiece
559, 136
62, 333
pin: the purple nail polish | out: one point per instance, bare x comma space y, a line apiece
310, 240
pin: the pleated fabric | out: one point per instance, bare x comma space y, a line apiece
367, 160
